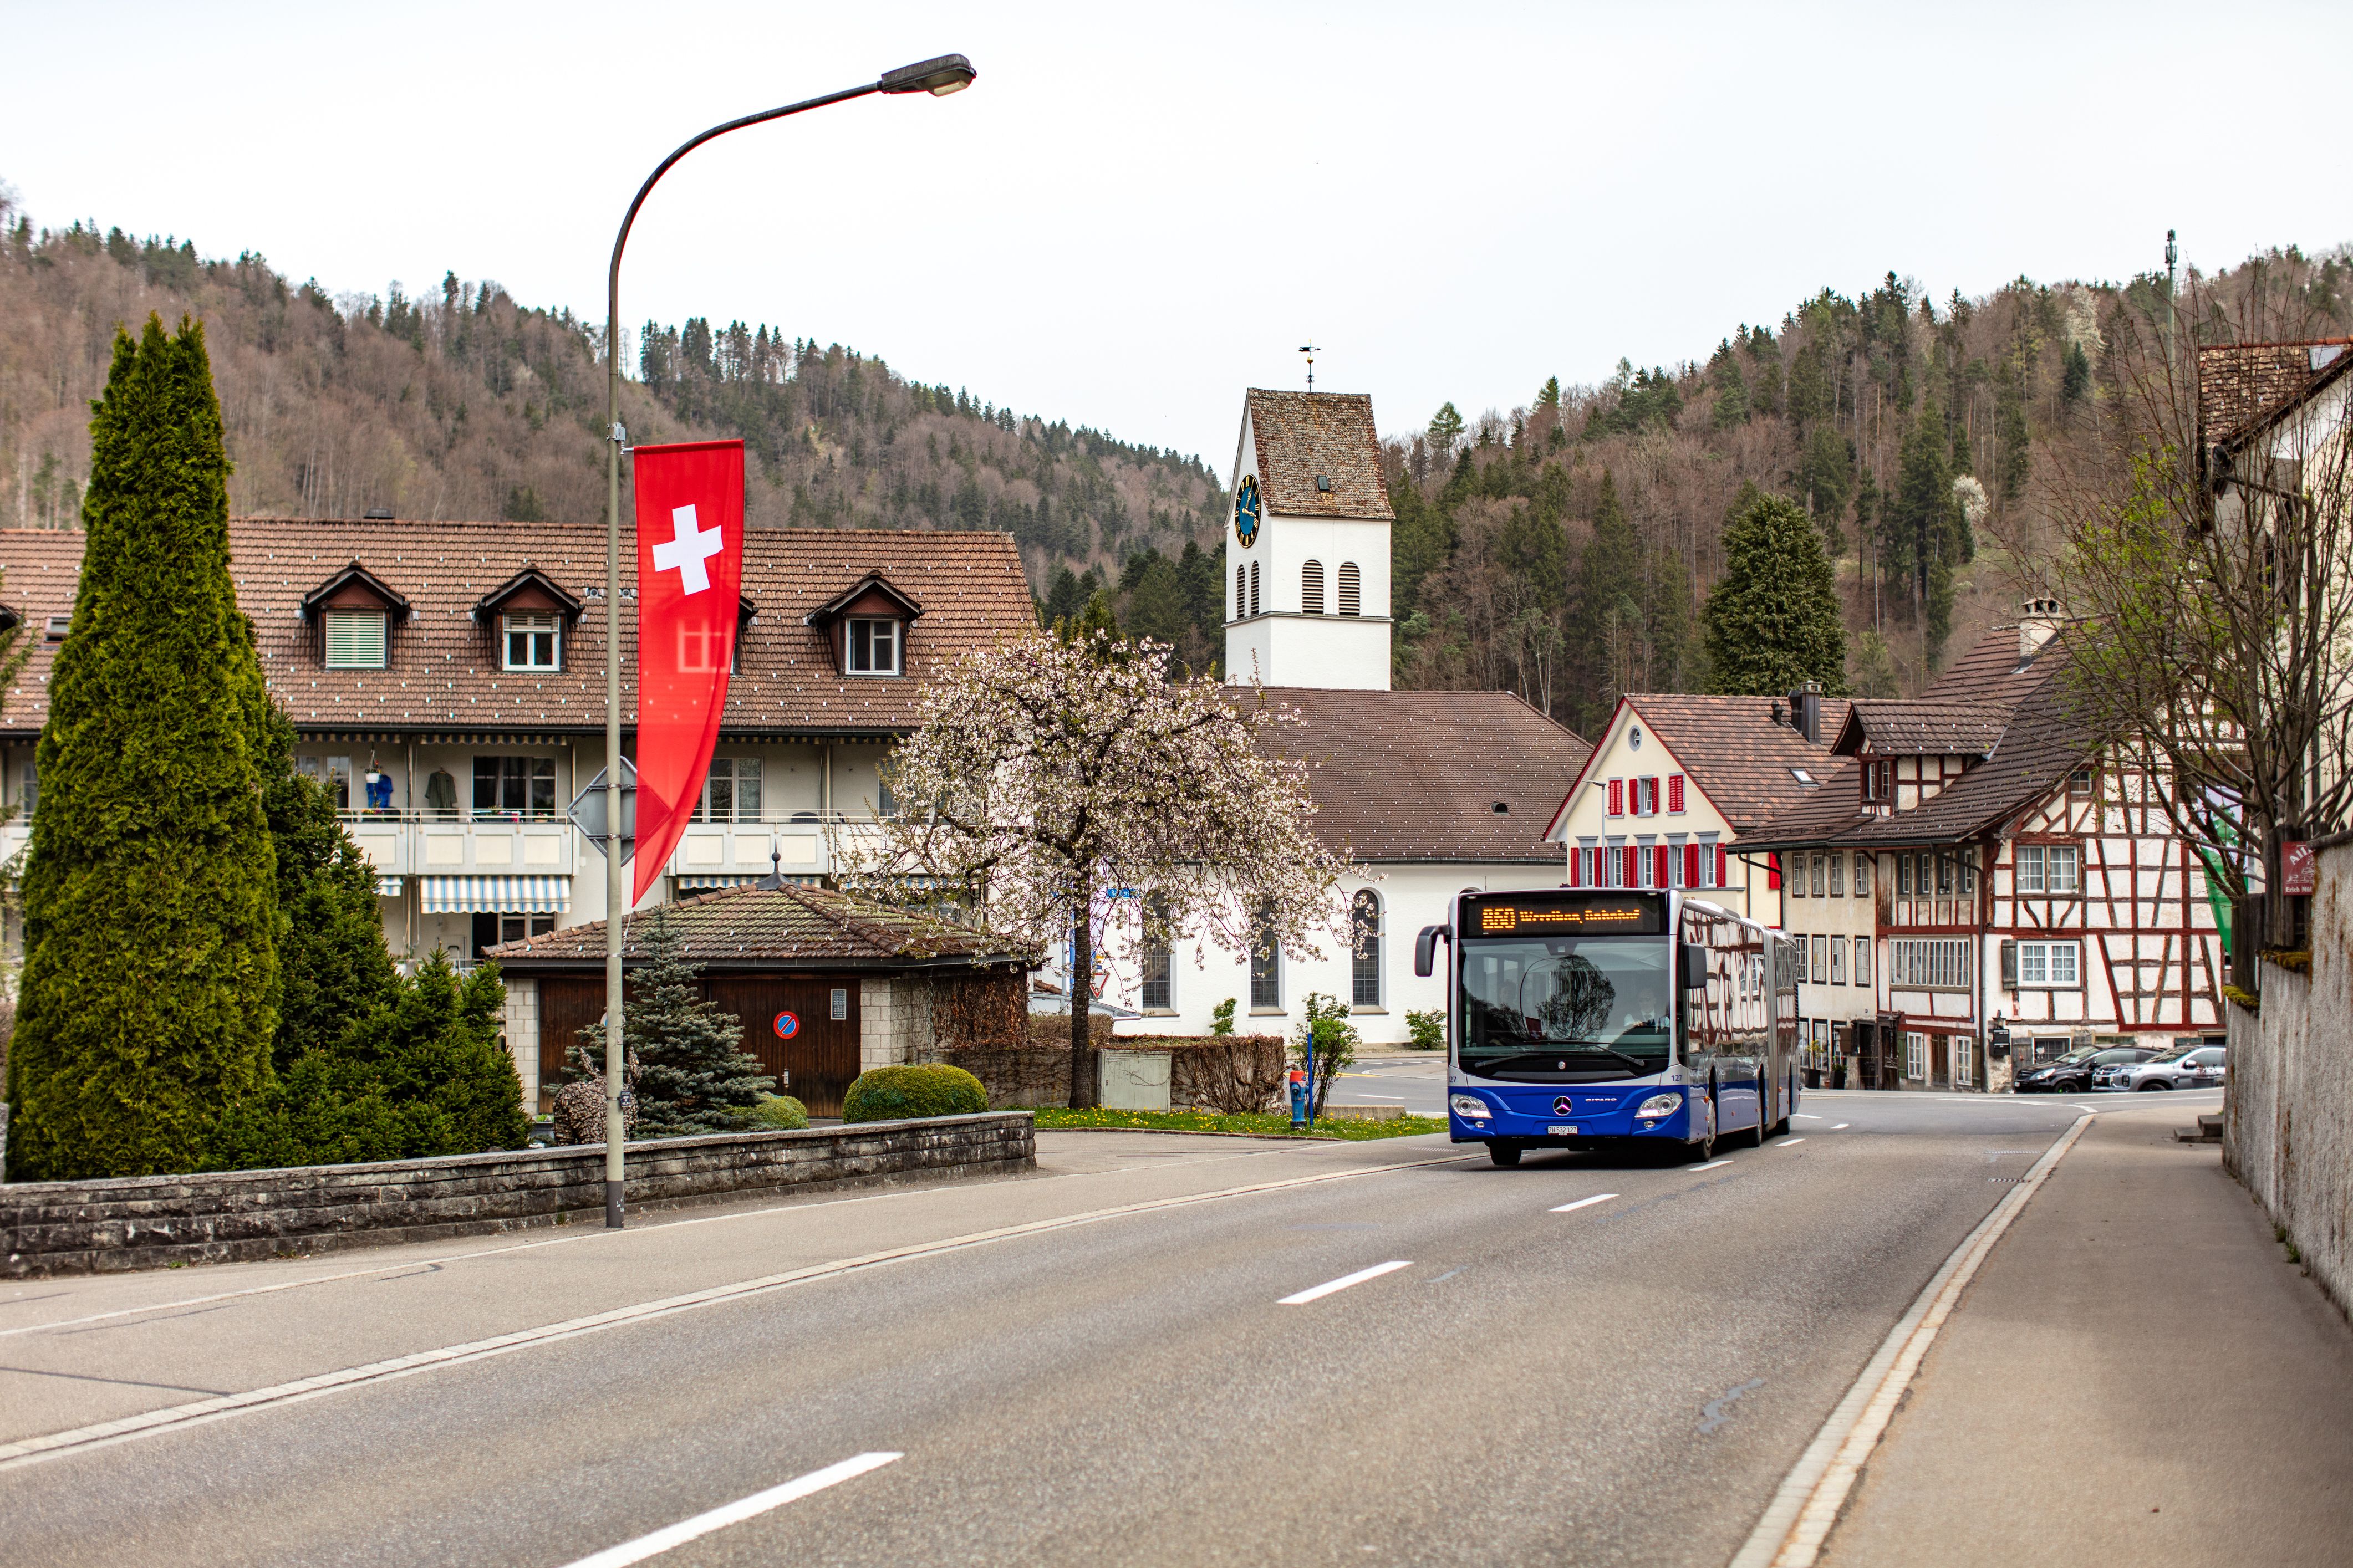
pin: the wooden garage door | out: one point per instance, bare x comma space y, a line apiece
803, 1027
567, 1004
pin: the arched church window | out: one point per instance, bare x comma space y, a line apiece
1253, 587
1352, 589
1364, 948
1311, 587
1242, 605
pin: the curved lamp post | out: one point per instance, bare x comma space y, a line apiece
947, 74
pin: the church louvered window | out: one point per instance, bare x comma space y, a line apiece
1311, 587
1253, 587
1352, 591
1240, 603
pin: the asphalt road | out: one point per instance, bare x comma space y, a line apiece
1623, 1383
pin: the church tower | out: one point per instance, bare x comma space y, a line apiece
1307, 555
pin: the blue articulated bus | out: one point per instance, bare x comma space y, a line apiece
1612, 1018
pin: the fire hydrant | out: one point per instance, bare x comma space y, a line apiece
1298, 1099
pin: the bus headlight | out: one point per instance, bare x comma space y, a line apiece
1658, 1105
1471, 1108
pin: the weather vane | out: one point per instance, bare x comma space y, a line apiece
1311, 351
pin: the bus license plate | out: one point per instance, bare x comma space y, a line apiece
1561, 1131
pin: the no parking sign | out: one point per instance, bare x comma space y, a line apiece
787, 1025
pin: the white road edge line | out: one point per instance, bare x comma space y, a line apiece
220, 1407
1798, 1521
1711, 1165
1584, 1202
1318, 1292
736, 1512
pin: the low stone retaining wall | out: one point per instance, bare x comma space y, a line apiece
147, 1222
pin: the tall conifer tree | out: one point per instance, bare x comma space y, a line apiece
149, 996
1773, 618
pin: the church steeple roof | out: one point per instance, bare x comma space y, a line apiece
1318, 455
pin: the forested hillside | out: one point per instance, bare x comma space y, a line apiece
467, 403
1563, 550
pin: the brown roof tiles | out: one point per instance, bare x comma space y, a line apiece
753, 926
2242, 386
1303, 436
1921, 729
1739, 758
1417, 775
442, 661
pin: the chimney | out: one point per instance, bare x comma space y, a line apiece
1806, 710
2037, 624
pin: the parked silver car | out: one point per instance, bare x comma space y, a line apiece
2199, 1067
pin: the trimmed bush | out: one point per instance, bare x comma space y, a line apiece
776, 1113
899, 1094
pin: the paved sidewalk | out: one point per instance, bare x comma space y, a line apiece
2138, 1374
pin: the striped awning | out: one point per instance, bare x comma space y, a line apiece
496, 895
387, 887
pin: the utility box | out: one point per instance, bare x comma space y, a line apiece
1133, 1081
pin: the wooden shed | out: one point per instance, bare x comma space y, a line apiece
826, 985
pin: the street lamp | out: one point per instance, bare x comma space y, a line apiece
940, 77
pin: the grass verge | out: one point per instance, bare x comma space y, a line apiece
1213, 1122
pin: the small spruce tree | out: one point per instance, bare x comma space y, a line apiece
1773, 618
149, 996
693, 1075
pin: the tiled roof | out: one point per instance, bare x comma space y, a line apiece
1991, 672
1303, 436
443, 671
2047, 737
1742, 761
1824, 816
2240, 385
1922, 729
1417, 776
772, 926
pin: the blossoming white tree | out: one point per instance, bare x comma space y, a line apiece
1045, 772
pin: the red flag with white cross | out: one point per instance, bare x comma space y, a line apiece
690, 592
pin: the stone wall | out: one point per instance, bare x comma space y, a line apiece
2287, 1125
147, 1222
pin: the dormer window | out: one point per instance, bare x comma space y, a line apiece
354, 639
531, 639
355, 611
874, 646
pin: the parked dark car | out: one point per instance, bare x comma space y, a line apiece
2078, 1068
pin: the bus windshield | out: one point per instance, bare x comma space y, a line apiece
1554, 1008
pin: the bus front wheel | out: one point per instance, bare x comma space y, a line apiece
1701, 1152
1504, 1155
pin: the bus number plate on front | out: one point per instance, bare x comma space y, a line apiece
1561, 1131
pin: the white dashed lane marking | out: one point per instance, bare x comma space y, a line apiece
735, 1512
1586, 1203
1318, 1292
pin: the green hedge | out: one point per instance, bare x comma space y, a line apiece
776, 1113
897, 1094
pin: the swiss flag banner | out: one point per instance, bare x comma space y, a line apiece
690, 591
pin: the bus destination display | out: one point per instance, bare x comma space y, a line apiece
1502, 915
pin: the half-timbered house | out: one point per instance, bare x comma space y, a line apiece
1979, 870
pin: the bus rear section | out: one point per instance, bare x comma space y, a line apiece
1591, 1019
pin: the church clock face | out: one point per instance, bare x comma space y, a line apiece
1246, 508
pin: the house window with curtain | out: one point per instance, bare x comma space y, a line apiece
873, 647
1311, 587
354, 639
515, 789
1862, 961
1352, 589
1838, 960
732, 791
1364, 948
531, 641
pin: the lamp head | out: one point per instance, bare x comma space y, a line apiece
941, 76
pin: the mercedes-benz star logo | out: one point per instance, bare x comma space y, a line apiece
1560, 1105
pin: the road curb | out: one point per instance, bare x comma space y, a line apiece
1797, 1521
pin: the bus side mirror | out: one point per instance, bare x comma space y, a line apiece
1425, 948
1695, 967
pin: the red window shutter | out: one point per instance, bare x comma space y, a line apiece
1659, 872
1723, 866
1576, 859
1675, 791
1773, 872
1690, 864
1633, 867
1617, 798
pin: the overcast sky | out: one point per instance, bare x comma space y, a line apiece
1137, 212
